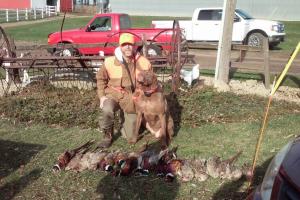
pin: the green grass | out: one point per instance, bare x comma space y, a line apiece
39, 32
32, 177
292, 36
211, 123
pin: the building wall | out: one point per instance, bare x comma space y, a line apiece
38, 3
66, 5
266, 9
14, 4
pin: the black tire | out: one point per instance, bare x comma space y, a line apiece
61, 51
255, 39
154, 50
71, 52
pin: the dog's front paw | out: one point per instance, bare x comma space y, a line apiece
132, 141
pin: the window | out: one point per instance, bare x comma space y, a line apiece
85, 2
210, 15
101, 24
243, 14
125, 22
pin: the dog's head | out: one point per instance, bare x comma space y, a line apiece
147, 82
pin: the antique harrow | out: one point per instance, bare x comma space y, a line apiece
20, 66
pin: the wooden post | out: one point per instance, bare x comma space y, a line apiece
7, 18
265, 48
224, 46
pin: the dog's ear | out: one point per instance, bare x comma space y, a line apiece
154, 80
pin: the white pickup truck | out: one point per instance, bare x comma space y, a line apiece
206, 24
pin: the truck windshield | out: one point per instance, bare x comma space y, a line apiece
243, 14
125, 22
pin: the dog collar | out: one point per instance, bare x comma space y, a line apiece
151, 91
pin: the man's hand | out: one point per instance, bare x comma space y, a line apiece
102, 99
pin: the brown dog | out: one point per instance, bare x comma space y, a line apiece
152, 109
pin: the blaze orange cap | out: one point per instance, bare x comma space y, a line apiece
126, 38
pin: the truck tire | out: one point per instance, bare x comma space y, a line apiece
255, 39
154, 50
70, 52
65, 52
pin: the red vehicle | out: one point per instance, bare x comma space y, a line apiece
106, 29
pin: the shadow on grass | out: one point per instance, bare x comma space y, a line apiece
15, 154
151, 187
9, 190
232, 190
293, 79
175, 110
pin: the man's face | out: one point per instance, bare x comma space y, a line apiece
127, 50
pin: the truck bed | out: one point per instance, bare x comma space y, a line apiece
185, 25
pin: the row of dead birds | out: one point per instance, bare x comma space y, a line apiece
163, 163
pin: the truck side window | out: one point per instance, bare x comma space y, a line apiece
210, 15
125, 22
101, 24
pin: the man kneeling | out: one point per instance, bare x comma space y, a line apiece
115, 84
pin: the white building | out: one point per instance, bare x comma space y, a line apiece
287, 10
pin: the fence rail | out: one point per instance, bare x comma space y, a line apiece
12, 15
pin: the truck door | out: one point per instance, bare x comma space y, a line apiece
207, 26
239, 29
99, 31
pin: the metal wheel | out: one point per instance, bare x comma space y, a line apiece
179, 48
7, 75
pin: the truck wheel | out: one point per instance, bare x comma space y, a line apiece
69, 52
65, 52
255, 39
154, 50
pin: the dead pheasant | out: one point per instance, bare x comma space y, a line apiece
217, 168
67, 156
164, 163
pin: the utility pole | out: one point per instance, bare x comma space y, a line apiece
224, 47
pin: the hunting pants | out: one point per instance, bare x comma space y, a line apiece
128, 120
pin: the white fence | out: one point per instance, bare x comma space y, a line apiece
12, 15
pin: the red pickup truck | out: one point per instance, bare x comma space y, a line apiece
106, 29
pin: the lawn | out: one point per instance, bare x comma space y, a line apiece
39, 32
41, 122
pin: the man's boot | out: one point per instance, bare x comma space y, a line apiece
107, 139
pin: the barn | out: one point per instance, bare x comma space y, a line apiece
22, 4
62, 5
